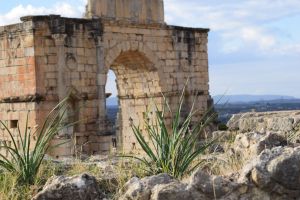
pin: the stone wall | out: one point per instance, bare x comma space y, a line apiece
152, 59
57, 56
17, 78
17, 64
13, 114
67, 64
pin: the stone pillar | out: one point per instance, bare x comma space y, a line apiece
161, 11
61, 82
101, 82
89, 12
64, 135
140, 11
61, 76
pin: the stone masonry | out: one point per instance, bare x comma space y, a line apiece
44, 58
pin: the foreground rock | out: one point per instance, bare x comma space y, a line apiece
82, 187
250, 145
276, 171
144, 188
260, 150
264, 144
274, 174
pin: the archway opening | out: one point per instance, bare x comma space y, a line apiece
112, 106
138, 87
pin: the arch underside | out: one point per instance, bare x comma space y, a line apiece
138, 85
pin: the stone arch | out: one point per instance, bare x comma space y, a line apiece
112, 53
139, 82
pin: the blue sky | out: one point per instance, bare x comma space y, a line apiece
254, 45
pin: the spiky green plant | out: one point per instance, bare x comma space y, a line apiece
174, 151
24, 161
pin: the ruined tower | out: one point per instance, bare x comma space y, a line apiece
139, 11
45, 57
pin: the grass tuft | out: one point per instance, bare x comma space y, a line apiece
24, 158
174, 150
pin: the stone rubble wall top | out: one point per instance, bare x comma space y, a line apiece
278, 121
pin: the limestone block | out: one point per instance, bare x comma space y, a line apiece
28, 41
80, 51
64, 150
105, 146
94, 147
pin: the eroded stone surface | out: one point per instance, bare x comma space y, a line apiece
211, 186
141, 189
270, 162
172, 191
249, 145
280, 122
82, 187
274, 174
278, 166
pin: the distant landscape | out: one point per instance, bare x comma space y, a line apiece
112, 101
227, 105
222, 99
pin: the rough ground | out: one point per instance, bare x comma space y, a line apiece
258, 158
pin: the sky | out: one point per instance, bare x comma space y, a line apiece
254, 45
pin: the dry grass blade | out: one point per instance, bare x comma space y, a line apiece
173, 151
24, 161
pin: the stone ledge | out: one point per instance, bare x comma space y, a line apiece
21, 99
166, 94
65, 25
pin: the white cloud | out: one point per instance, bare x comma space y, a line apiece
240, 25
60, 8
252, 36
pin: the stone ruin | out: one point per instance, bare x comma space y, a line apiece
44, 58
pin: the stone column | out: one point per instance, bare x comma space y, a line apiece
65, 135
61, 62
61, 75
161, 17
101, 82
89, 9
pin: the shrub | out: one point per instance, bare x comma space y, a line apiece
222, 127
9, 189
174, 151
23, 161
